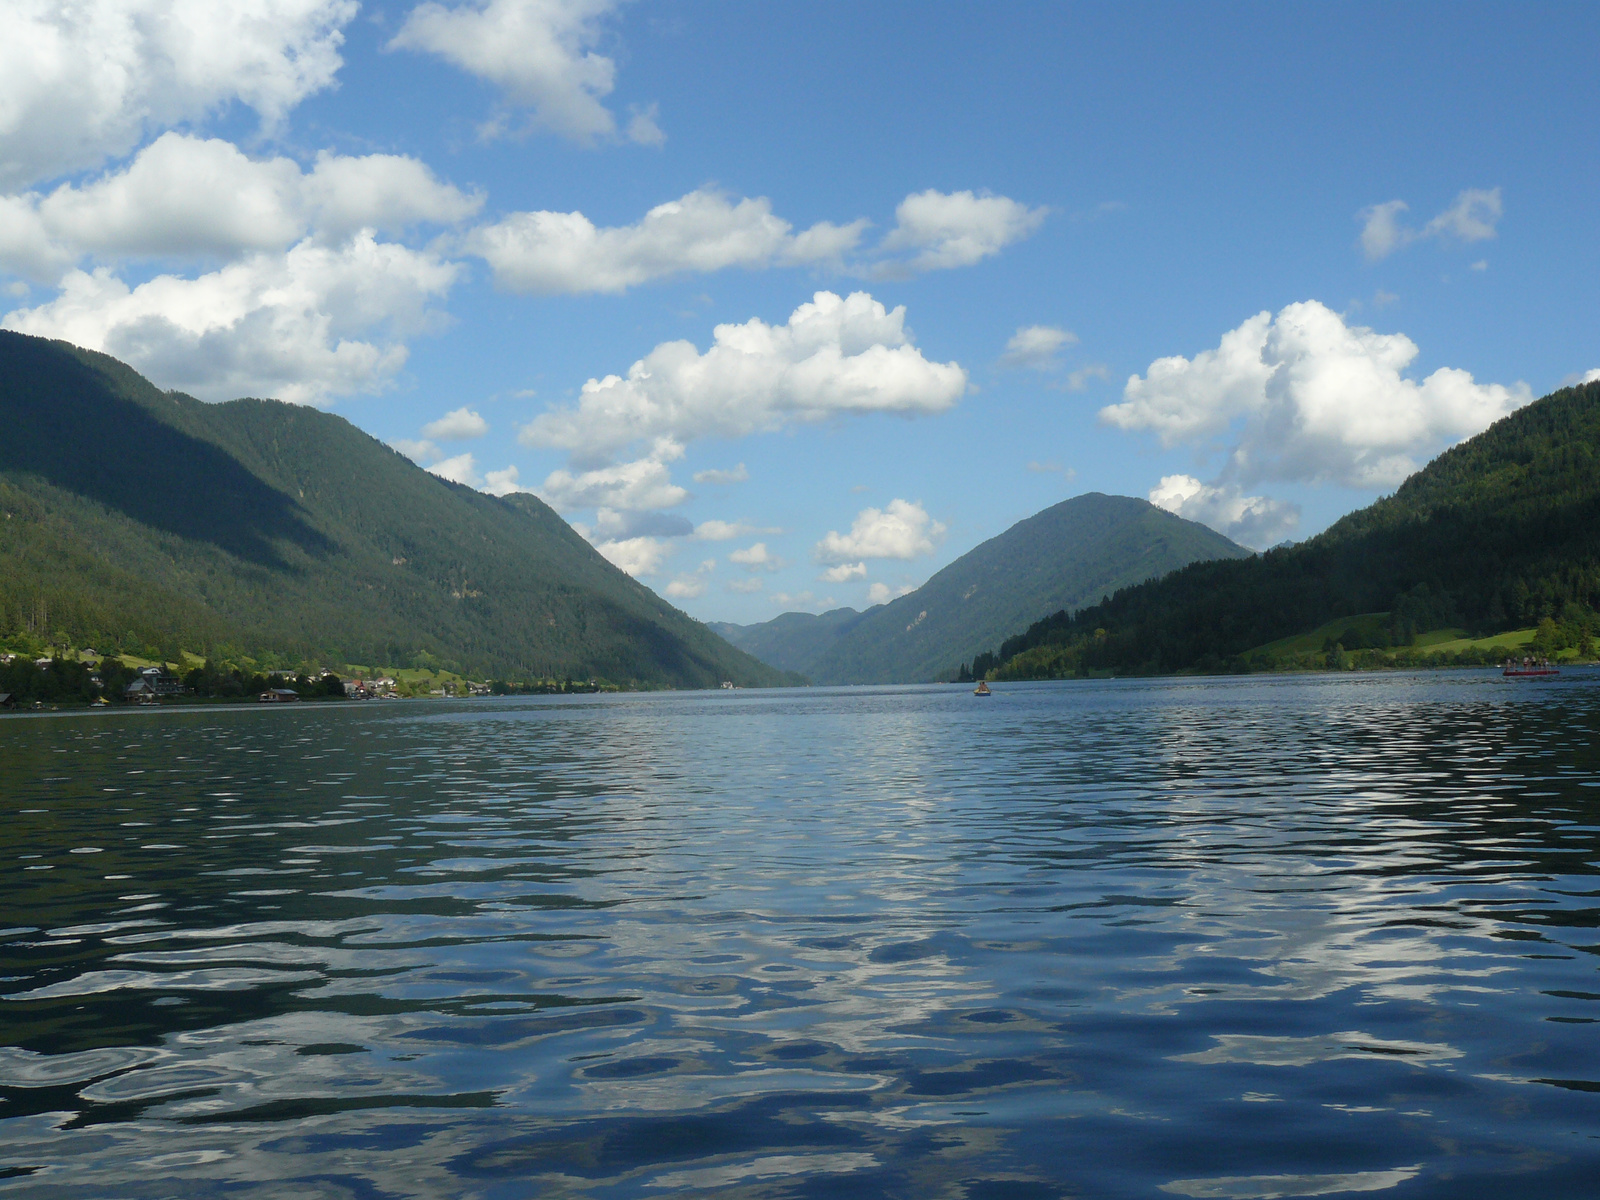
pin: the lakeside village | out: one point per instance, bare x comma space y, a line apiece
84, 678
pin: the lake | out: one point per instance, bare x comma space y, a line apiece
1241, 938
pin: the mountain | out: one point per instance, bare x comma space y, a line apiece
1501, 532
145, 521
1064, 557
795, 640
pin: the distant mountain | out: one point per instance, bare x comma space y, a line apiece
1067, 556
794, 641
143, 521
1501, 532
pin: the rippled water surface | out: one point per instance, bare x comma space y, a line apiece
1226, 938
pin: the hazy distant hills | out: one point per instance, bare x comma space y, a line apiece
1067, 556
145, 521
1501, 532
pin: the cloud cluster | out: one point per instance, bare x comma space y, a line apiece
1471, 218
1036, 346
1254, 521
1302, 396
185, 196
937, 230
645, 483
308, 325
565, 252
539, 54
737, 475
902, 530
834, 357
87, 81
458, 426
758, 558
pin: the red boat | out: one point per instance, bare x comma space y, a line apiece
1529, 668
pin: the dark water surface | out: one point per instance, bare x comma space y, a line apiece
1227, 938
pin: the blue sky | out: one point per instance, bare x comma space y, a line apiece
1253, 262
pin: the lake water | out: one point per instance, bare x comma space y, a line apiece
1288, 936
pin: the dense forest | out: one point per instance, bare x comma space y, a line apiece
1500, 532
145, 523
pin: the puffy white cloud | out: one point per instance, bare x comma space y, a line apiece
959, 228
1036, 346
687, 587
758, 558
85, 81
844, 573
1254, 521
637, 556
463, 468
503, 483
902, 530
419, 452
456, 426
187, 196
1303, 396
834, 357
744, 587
1472, 217
737, 475
723, 531
882, 593
317, 322
555, 252
631, 486
538, 52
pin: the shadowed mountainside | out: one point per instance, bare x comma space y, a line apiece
150, 521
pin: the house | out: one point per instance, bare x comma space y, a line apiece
7, 700
278, 696
141, 690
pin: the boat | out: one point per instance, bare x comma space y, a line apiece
982, 689
1529, 668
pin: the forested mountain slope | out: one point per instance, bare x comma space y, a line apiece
145, 521
1066, 556
1499, 532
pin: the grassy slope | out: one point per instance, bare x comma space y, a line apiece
143, 516
1064, 557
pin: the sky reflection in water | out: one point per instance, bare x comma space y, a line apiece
1242, 938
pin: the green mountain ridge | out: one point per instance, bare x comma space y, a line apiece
1500, 532
1066, 556
147, 520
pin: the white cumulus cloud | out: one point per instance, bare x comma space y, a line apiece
539, 53
835, 357
315, 323
940, 230
565, 252
184, 196
844, 572
1472, 217
636, 556
1254, 521
457, 426
463, 468
1036, 346
418, 451
757, 558
645, 483
86, 81
901, 530
1303, 396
